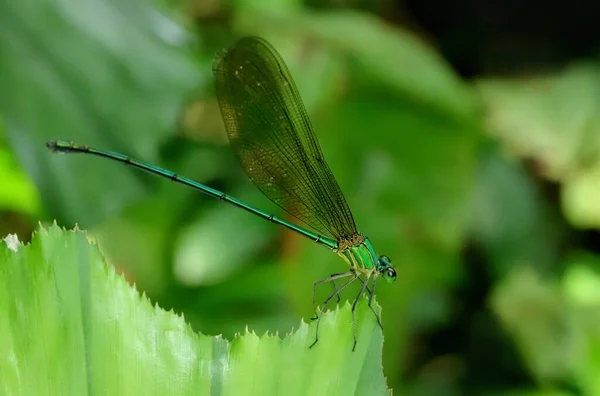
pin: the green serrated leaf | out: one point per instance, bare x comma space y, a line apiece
69, 325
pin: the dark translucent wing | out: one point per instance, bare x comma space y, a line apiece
270, 132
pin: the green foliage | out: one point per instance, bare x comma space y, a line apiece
556, 324
69, 325
18, 192
400, 61
554, 120
48, 55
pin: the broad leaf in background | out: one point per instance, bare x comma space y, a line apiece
509, 218
400, 61
70, 325
556, 324
555, 121
108, 73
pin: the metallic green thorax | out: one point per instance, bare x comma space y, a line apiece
360, 257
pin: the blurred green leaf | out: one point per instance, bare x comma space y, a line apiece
281, 6
209, 249
580, 286
138, 243
509, 218
110, 73
534, 313
17, 192
400, 60
255, 296
581, 282
556, 324
549, 392
580, 195
554, 120
70, 325
403, 168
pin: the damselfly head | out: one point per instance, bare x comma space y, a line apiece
384, 267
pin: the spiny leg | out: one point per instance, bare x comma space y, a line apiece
331, 279
334, 289
362, 290
325, 305
361, 280
371, 294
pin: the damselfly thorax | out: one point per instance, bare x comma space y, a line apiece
358, 252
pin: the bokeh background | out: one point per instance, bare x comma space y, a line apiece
465, 135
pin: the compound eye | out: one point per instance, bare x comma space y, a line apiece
390, 275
